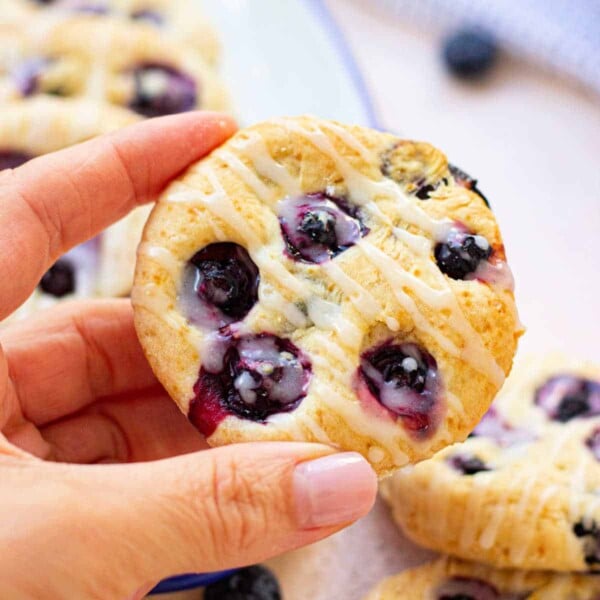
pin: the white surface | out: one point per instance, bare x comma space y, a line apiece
279, 59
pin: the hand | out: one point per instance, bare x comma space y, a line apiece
75, 388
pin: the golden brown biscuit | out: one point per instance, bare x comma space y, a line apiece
316, 281
182, 20
105, 59
524, 490
448, 579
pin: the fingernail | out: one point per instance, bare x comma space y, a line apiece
333, 490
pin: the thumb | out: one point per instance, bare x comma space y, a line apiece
215, 509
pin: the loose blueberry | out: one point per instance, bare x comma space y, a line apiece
468, 465
590, 535
466, 181
466, 588
10, 159
493, 426
317, 227
59, 280
404, 379
162, 90
593, 443
253, 377
224, 283
566, 397
251, 583
470, 53
148, 15
27, 74
459, 255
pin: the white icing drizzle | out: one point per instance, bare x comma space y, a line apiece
255, 147
364, 302
519, 552
473, 351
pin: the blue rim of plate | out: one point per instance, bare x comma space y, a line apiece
189, 582
324, 16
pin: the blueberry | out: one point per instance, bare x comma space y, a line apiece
461, 253
493, 426
225, 277
11, 159
403, 379
466, 181
59, 280
567, 397
468, 465
470, 53
590, 535
317, 227
148, 15
162, 90
466, 588
593, 443
26, 75
251, 583
257, 376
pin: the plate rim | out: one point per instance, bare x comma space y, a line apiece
325, 17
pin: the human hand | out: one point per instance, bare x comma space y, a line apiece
75, 388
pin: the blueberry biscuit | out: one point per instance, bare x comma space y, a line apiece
182, 20
299, 284
104, 266
105, 59
451, 579
524, 490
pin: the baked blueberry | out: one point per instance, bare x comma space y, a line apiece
148, 15
162, 90
59, 280
470, 53
251, 583
404, 379
317, 227
566, 397
593, 443
466, 588
253, 377
11, 159
494, 427
221, 285
468, 464
26, 75
590, 535
461, 252
466, 181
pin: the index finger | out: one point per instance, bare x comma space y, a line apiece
57, 201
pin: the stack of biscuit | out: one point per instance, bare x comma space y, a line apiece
71, 70
515, 508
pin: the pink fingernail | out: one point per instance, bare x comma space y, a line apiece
333, 490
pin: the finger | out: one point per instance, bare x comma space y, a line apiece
147, 426
203, 512
57, 201
64, 359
